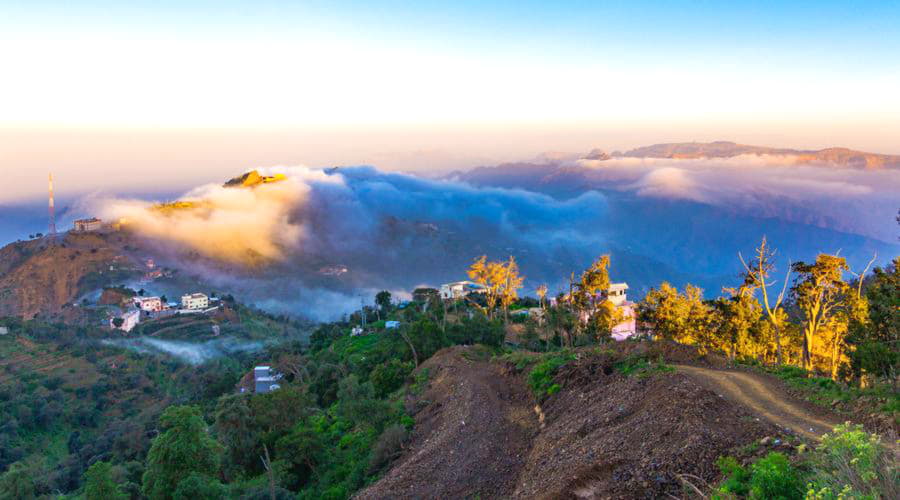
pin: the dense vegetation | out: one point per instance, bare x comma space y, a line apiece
94, 421
102, 422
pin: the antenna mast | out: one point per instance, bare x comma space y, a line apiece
51, 211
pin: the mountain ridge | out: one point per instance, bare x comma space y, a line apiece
832, 156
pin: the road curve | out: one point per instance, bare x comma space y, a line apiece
760, 394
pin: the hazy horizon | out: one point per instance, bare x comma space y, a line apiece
174, 94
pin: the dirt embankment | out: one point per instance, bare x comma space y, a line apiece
472, 435
605, 435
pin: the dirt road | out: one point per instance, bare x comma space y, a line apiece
765, 398
471, 438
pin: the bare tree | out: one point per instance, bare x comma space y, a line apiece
756, 275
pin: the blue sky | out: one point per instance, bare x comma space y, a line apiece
436, 84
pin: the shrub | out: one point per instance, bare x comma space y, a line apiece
851, 463
388, 447
540, 380
389, 376
773, 477
737, 478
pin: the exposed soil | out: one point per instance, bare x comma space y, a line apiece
479, 432
766, 399
472, 434
607, 435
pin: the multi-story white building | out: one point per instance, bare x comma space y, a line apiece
149, 304
194, 301
460, 289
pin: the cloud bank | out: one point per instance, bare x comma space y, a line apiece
850, 200
323, 241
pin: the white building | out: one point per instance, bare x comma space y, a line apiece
149, 304
130, 320
92, 224
616, 294
194, 301
460, 289
265, 380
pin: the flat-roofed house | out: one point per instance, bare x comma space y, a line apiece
194, 301
460, 289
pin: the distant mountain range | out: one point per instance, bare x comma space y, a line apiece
839, 157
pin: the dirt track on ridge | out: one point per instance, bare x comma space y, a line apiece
471, 439
764, 398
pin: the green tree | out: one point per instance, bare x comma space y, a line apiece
389, 376
99, 483
199, 487
17, 482
235, 429
877, 340
302, 448
357, 403
183, 448
383, 301
820, 292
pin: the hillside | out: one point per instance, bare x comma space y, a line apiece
618, 427
42, 277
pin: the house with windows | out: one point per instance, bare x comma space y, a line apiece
460, 289
194, 301
616, 293
149, 304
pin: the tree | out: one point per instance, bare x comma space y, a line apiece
235, 429
733, 320
383, 301
542, 294
389, 376
877, 339
511, 285
756, 276
302, 447
99, 483
184, 448
17, 482
605, 317
501, 281
199, 487
820, 291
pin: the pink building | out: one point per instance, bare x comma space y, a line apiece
150, 304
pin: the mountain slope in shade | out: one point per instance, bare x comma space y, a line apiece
839, 157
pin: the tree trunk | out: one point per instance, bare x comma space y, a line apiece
778, 357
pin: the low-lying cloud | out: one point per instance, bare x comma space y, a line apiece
322, 241
850, 200
194, 353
